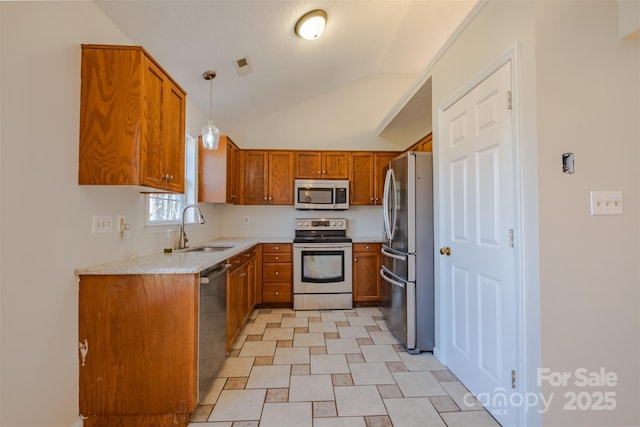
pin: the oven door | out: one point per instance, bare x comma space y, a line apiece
322, 268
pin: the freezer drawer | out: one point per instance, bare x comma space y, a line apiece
399, 307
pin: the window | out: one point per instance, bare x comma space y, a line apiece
165, 209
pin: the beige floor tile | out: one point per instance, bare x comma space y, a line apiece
317, 350
322, 327
254, 328
444, 404
368, 311
371, 374
246, 423
268, 318
421, 362
263, 360
355, 358
359, 401
339, 422
333, 316
211, 396
342, 346
301, 369
445, 375
389, 391
331, 336
295, 322
307, 388
397, 367
273, 376
418, 384
277, 395
469, 419
382, 324
237, 383
238, 342
275, 334
378, 421
291, 356
307, 313
284, 343
362, 321
238, 405
201, 414
379, 353
413, 412
324, 409
294, 414
212, 424
341, 379
463, 398
383, 337
236, 367
329, 364
308, 339
364, 341
258, 348
353, 332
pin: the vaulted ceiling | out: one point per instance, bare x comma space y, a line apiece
361, 39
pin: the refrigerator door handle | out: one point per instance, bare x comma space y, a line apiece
393, 255
390, 280
388, 192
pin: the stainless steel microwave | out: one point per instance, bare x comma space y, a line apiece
322, 194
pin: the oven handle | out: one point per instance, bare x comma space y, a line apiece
327, 246
390, 280
392, 255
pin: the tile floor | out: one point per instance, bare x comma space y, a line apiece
331, 368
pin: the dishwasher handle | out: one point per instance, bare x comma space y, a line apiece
210, 274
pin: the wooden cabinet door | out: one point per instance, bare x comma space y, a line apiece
256, 180
308, 164
280, 178
382, 165
335, 165
361, 166
366, 277
141, 333
173, 137
233, 179
151, 155
426, 143
250, 300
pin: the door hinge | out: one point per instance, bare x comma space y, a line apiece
513, 379
508, 100
511, 237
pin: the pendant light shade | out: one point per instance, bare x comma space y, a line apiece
311, 25
210, 133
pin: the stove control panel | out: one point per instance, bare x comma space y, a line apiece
321, 223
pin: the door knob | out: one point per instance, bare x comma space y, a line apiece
445, 251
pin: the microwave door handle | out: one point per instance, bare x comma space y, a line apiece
386, 278
392, 255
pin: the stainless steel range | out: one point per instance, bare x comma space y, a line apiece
322, 256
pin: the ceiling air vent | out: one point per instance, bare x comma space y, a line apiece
243, 66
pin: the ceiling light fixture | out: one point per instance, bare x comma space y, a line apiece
311, 24
210, 133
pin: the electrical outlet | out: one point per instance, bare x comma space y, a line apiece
121, 220
246, 220
102, 224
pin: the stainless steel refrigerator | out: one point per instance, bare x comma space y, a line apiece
407, 252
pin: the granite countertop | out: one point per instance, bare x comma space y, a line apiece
178, 262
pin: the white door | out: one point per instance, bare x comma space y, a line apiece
477, 256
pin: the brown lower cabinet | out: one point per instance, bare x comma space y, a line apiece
367, 261
241, 291
277, 274
140, 332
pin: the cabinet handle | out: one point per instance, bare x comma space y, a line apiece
319, 172
324, 171
265, 198
270, 198
277, 258
84, 349
237, 261
367, 247
277, 248
355, 260
277, 273
277, 293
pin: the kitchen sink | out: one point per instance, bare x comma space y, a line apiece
208, 249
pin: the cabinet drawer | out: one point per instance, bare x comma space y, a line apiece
366, 247
276, 272
276, 247
268, 258
276, 292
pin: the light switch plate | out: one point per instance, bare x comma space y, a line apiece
606, 203
102, 224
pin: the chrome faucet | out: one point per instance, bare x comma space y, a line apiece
182, 243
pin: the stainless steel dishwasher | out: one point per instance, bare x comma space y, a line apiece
212, 325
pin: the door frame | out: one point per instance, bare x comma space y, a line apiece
524, 382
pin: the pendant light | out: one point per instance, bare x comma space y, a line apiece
311, 24
210, 133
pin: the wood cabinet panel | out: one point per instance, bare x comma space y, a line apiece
425, 144
367, 172
367, 261
270, 248
322, 164
381, 167
280, 178
277, 273
141, 332
132, 121
218, 177
268, 177
276, 292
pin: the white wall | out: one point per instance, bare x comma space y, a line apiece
579, 93
46, 216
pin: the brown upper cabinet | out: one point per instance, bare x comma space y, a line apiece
132, 121
322, 164
367, 171
268, 177
218, 177
425, 144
